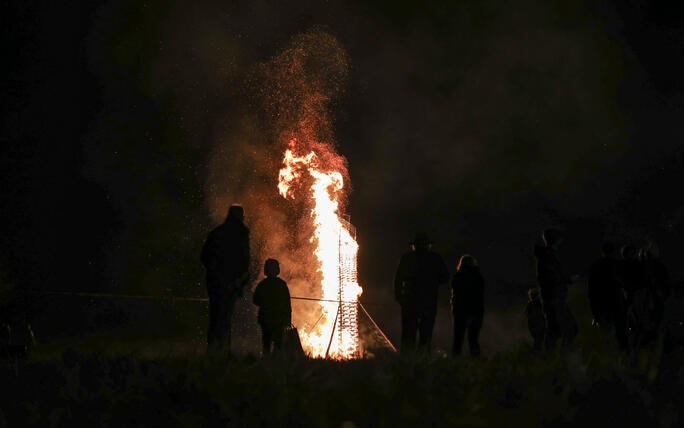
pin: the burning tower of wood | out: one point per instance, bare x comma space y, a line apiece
335, 335
347, 327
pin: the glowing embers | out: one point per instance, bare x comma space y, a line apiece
335, 335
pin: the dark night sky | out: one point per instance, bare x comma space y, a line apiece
480, 123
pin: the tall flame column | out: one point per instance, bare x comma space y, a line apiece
336, 335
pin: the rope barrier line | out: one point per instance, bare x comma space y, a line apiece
378, 328
204, 299
119, 296
319, 300
181, 298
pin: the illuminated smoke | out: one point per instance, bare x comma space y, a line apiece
291, 97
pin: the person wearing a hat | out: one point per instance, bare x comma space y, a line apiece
420, 273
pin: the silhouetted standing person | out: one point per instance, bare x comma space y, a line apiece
467, 304
656, 278
536, 322
225, 256
673, 320
275, 312
604, 289
416, 284
631, 272
552, 285
566, 321
647, 297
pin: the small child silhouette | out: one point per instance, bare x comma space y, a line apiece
273, 299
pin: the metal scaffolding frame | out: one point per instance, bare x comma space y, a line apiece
347, 319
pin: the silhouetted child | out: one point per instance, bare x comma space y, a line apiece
536, 321
273, 299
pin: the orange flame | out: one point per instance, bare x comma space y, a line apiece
336, 251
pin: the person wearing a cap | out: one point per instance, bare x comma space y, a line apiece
416, 284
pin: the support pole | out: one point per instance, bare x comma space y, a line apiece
332, 334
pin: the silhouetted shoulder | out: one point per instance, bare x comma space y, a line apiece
541, 252
439, 265
408, 257
470, 278
435, 254
281, 283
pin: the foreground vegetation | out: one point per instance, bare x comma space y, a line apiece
77, 387
136, 377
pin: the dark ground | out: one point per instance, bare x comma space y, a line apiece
512, 388
113, 377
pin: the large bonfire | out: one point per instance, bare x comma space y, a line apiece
335, 334
309, 235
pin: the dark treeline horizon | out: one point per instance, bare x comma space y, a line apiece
478, 123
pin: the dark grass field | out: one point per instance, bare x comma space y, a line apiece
77, 387
128, 378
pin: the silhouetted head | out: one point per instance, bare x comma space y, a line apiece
552, 237
608, 248
237, 212
467, 262
629, 252
421, 240
533, 294
651, 251
271, 268
641, 253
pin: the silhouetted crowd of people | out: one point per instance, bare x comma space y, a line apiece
420, 273
627, 288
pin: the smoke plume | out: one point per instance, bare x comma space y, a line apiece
289, 99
